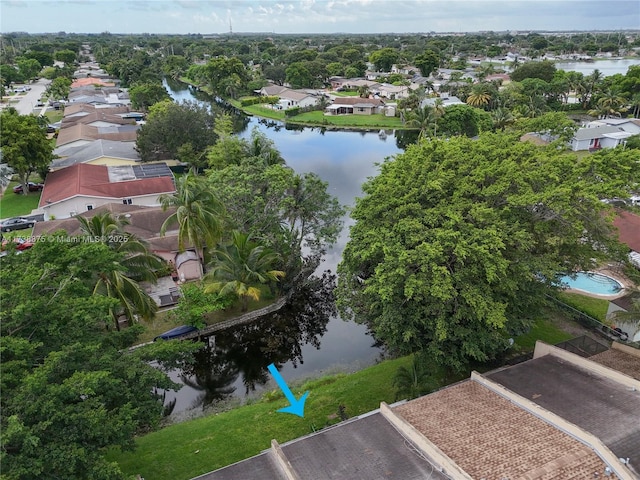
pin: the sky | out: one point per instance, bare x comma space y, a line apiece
314, 16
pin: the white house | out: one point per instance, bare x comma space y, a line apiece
82, 187
595, 138
630, 125
295, 98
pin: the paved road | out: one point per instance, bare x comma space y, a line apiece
28, 101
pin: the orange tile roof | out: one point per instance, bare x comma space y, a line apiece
93, 180
490, 437
628, 225
83, 82
620, 361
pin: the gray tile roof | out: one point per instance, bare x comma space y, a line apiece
97, 149
594, 132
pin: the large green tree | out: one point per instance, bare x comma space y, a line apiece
457, 241
143, 95
24, 143
293, 214
384, 58
171, 125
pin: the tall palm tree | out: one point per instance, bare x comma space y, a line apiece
635, 105
609, 105
424, 119
137, 264
198, 214
238, 267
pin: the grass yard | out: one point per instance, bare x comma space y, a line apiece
192, 448
594, 307
12, 205
54, 116
373, 121
543, 330
264, 111
344, 94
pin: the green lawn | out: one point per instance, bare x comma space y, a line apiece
542, 330
264, 111
54, 116
225, 438
12, 205
344, 94
594, 307
319, 118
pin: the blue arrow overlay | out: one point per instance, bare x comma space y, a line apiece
297, 406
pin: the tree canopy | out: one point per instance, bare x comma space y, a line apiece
70, 387
171, 125
24, 144
456, 241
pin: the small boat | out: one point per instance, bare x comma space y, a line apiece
382, 134
176, 332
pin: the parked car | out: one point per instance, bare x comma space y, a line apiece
33, 187
20, 244
16, 223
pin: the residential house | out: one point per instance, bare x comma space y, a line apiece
387, 90
81, 134
405, 69
556, 416
595, 138
145, 223
81, 109
271, 90
91, 81
446, 101
99, 152
82, 187
356, 106
630, 125
99, 118
295, 98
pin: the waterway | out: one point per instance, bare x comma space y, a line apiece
606, 67
307, 338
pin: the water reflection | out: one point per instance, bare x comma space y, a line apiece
243, 353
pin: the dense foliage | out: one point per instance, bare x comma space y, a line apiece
456, 242
70, 388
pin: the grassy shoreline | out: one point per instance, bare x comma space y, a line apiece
186, 450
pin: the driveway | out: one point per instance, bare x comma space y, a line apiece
27, 102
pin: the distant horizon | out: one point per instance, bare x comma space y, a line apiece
206, 34
316, 17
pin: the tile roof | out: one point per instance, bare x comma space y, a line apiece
86, 107
620, 361
490, 437
95, 181
79, 131
594, 132
607, 409
98, 149
82, 82
98, 115
628, 225
373, 102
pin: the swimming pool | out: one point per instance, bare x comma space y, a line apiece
591, 282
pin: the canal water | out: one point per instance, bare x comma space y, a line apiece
307, 338
606, 67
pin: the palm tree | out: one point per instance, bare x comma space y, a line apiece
238, 267
137, 264
414, 380
480, 96
198, 214
502, 118
635, 105
363, 91
609, 105
423, 119
262, 147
